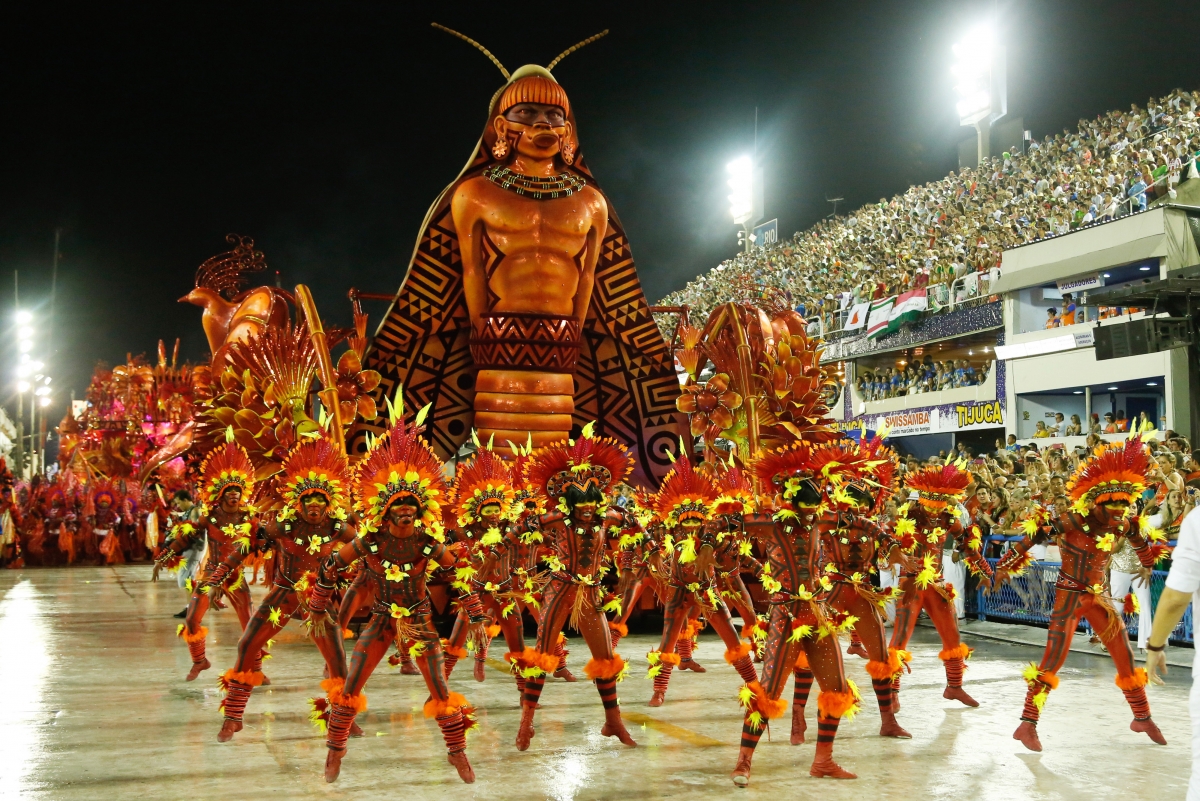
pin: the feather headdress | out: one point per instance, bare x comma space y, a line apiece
685, 494
401, 464
316, 466
588, 461
225, 466
786, 469
483, 479
938, 487
1114, 472
736, 492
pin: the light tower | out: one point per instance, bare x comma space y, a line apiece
980, 72
746, 195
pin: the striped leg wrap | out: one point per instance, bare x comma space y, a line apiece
896, 683
663, 678
533, 690
684, 648
954, 672
560, 650
451, 661
883, 693
804, 683
608, 692
1030, 711
614, 637
196, 648
482, 649
826, 729
750, 736
745, 668
1138, 703
340, 718
453, 731
236, 697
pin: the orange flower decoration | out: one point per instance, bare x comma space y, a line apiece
354, 386
710, 406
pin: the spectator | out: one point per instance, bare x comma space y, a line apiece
1144, 424
1068, 315
1075, 429
1052, 319
1122, 423
1012, 444
1094, 426
1040, 431
1059, 424
1110, 425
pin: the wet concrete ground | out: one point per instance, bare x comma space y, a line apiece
96, 708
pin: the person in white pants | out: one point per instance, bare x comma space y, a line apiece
1125, 572
1183, 587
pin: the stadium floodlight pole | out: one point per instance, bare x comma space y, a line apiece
745, 198
980, 84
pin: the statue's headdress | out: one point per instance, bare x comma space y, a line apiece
225, 466
316, 466
484, 479
582, 463
401, 464
1114, 472
685, 494
788, 471
939, 487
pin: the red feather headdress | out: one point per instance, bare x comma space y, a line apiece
685, 494
401, 464
225, 466
784, 468
483, 479
1114, 472
938, 487
316, 466
589, 461
736, 492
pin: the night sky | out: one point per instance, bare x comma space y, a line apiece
324, 130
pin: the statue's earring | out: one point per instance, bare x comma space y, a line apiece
568, 151
500, 149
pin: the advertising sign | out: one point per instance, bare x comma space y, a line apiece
934, 419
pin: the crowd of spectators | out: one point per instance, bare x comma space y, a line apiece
1113, 423
926, 375
960, 225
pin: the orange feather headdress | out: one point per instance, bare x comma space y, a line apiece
785, 469
685, 494
938, 487
582, 463
225, 466
316, 466
484, 479
401, 464
736, 492
1114, 472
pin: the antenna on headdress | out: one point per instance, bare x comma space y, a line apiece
572, 48
488, 53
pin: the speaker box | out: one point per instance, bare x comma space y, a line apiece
1141, 336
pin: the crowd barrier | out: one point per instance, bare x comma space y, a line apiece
1029, 598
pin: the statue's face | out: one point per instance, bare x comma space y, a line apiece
313, 508
536, 130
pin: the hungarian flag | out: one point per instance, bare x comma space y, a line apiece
908, 307
877, 322
858, 316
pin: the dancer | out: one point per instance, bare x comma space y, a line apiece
798, 624
359, 594
855, 482
576, 477
226, 481
1101, 491
483, 500
397, 492
308, 528
732, 555
924, 531
642, 568
684, 503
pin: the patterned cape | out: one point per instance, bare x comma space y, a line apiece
625, 377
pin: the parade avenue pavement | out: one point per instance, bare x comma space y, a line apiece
97, 708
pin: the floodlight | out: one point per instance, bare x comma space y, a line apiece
25, 332
45, 401
972, 70
24, 318
22, 386
741, 182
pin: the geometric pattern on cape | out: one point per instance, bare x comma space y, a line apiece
625, 377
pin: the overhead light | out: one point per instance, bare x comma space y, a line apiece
42, 391
1077, 392
970, 353
1106, 275
1112, 388
973, 73
25, 332
22, 386
741, 182
1144, 269
986, 349
24, 318
45, 400
25, 345
1152, 383
47, 379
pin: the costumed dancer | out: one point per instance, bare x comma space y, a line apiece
576, 477
799, 628
1101, 491
855, 481
360, 594
226, 522
684, 503
732, 555
642, 550
398, 489
309, 527
483, 496
105, 522
924, 531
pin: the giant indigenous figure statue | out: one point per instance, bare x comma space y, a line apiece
521, 314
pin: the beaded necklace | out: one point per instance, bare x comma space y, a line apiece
561, 185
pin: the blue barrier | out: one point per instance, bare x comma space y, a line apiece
1029, 598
